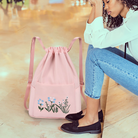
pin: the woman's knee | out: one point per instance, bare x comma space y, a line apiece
93, 53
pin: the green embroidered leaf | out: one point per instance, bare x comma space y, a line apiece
56, 109
63, 109
68, 107
47, 107
40, 108
66, 102
47, 110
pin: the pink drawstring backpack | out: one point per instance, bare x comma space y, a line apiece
55, 88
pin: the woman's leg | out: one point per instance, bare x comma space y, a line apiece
110, 62
121, 54
93, 103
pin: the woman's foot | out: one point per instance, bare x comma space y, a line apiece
87, 120
81, 114
84, 125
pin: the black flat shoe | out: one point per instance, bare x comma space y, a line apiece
77, 116
74, 129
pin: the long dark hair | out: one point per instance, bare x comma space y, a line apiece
113, 22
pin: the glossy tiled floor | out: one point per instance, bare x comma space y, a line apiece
56, 25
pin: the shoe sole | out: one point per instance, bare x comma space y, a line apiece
91, 132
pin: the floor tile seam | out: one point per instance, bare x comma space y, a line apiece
120, 120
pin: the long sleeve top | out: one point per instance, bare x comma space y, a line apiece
101, 37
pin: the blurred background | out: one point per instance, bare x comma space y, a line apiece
56, 22
13, 12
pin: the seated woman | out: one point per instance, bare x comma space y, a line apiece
103, 57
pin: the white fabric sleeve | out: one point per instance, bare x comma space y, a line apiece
100, 37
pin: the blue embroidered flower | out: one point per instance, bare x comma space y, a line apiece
54, 100
40, 102
49, 99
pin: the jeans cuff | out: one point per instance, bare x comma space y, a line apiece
91, 96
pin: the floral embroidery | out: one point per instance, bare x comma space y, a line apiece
63, 106
41, 103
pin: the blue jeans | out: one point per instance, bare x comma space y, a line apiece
111, 62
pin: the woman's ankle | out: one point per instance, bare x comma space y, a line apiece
85, 121
92, 119
92, 116
84, 111
99, 109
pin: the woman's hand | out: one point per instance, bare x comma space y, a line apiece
93, 2
98, 9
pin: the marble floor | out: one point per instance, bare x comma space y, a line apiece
56, 24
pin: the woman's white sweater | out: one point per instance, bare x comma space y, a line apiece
101, 37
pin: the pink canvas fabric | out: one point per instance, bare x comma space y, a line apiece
55, 90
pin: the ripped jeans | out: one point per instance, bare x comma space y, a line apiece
111, 62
